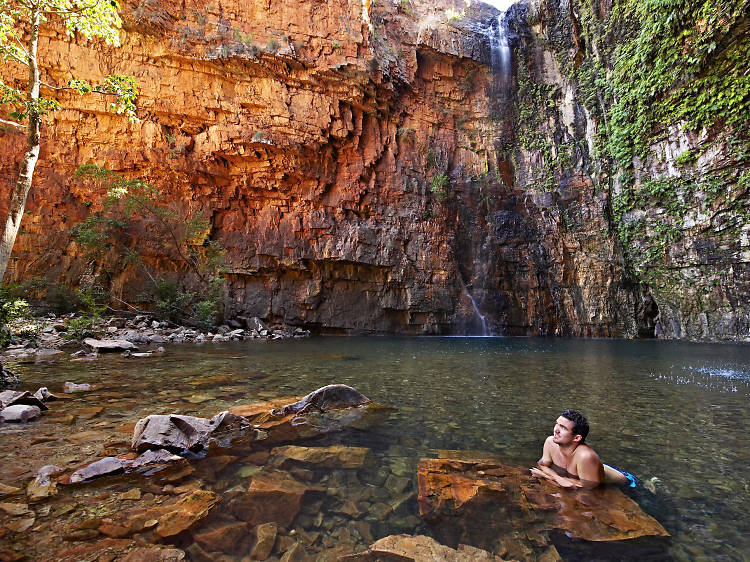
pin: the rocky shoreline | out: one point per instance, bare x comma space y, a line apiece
47, 338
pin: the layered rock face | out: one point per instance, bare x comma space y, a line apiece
365, 166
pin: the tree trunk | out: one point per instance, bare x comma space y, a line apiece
26, 174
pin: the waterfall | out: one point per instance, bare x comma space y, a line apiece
482, 318
500, 55
478, 313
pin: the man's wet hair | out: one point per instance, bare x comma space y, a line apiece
580, 423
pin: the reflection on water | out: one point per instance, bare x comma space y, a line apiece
674, 414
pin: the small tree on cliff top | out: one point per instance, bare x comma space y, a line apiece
20, 21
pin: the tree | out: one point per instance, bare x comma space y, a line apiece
20, 21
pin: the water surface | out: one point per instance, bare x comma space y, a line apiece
674, 414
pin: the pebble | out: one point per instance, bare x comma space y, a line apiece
133, 494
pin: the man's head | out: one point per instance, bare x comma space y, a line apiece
571, 426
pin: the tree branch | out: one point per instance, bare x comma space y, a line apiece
77, 11
128, 305
18, 126
61, 88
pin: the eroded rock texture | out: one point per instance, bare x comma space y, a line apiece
364, 166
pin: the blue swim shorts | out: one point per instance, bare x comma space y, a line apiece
633, 480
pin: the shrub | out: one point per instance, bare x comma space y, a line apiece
90, 313
439, 185
13, 310
61, 299
170, 300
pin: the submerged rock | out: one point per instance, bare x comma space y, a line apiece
154, 554
226, 538
456, 494
167, 520
6, 490
336, 456
265, 537
407, 548
186, 513
272, 497
42, 486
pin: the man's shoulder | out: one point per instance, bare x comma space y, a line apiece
586, 453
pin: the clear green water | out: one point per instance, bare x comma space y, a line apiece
673, 413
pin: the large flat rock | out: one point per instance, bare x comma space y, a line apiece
489, 504
103, 346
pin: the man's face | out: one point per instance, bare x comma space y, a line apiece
563, 432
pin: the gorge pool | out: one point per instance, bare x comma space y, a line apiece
674, 414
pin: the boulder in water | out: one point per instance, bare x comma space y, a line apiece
325, 398
20, 413
104, 346
328, 409
179, 433
71, 387
44, 395
12, 397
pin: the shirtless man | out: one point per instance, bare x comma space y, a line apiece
568, 462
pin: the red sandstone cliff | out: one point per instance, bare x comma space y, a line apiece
309, 133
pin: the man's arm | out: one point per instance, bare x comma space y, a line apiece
544, 469
546, 459
555, 478
589, 468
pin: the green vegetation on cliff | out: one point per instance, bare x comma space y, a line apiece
681, 62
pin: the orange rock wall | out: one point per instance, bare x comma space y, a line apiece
308, 133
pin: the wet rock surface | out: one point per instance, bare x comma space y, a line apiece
454, 494
11, 397
420, 548
326, 398
103, 346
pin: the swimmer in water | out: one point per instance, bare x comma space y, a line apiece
568, 462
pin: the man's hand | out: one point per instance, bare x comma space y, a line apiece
536, 472
552, 476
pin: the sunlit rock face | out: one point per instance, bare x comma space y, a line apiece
362, 165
